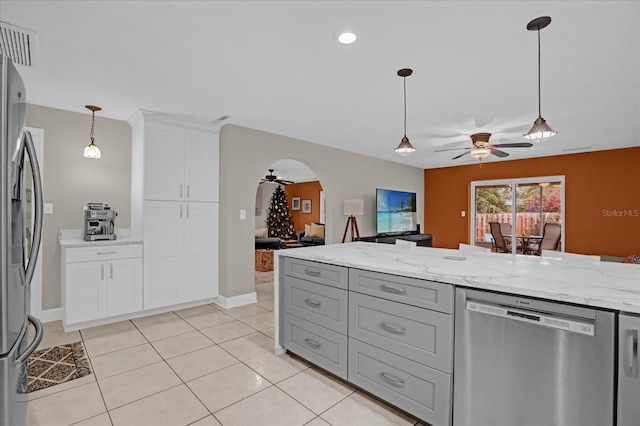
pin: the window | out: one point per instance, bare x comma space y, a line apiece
526, 205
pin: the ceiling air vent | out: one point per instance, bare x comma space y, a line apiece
17, 43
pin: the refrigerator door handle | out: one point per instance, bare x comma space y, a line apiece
37, 193
34, 343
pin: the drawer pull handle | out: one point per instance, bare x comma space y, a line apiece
312, 343
394, 290
392, 380
313, 303
312, 272
106, 252
391, 328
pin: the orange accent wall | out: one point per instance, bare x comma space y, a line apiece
602, 198
306, 191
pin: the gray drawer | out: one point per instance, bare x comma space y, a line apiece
419, 334
322, 273
320, 304
321, 346
422, 293
415, 388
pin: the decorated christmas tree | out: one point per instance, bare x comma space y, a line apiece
278, 219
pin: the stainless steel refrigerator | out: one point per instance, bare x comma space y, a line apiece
17, 254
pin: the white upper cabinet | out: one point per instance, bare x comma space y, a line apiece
180, 163
201, 166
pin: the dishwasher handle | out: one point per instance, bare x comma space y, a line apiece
542, 319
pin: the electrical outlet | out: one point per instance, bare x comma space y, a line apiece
463, 213
48, 208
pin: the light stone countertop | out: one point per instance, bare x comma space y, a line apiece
582, 281
75, 238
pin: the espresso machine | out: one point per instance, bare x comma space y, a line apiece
98, 222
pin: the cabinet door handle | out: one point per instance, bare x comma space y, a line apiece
392, 380
313, 303
188, 191
391, 289
312, 272
106, 252
187, 211
102, 272
632, 352
391, 328
181, 192
180, 211
111, 270
312, 343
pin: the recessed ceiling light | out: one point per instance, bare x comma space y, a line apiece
347, 38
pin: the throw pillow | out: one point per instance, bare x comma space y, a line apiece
634, 258
307, 230
317, 231
261, 233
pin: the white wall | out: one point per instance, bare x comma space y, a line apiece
246, 153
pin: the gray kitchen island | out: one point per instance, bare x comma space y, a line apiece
406, 324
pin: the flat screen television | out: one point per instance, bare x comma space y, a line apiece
395, 211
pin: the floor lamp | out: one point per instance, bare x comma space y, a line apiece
352, 208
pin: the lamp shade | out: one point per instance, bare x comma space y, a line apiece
353, 207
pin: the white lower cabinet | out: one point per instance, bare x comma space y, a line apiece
181, 252
100, 282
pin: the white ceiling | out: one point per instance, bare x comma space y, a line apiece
277, 66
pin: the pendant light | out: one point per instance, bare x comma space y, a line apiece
92, 150
405, 148
540, 131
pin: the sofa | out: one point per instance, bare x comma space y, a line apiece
313, 235
263, 241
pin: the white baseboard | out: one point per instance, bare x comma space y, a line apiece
49, 315
235, 301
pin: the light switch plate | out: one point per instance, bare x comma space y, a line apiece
48, 208
243, 215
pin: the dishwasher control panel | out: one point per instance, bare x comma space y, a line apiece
541, 318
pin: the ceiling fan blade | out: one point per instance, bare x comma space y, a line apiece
284, 182
513, 145
499, 153
461, 155
450, 149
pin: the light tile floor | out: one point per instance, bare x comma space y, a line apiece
202, 366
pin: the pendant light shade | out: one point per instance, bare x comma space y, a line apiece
92, 150
540, 131
405, 148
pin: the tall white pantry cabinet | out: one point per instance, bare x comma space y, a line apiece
175, 208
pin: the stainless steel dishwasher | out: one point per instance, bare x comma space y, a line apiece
525, 362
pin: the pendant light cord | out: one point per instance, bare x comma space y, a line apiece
93, 119
539, 100
404, 79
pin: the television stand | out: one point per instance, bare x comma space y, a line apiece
422, 240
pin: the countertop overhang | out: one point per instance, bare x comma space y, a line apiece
585, 282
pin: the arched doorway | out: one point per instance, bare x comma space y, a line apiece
306, 207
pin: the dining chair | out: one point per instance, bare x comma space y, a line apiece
501, 244
550, 239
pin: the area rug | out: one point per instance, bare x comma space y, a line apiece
59, 364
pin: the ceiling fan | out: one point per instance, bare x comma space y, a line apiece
482, 148
273, 178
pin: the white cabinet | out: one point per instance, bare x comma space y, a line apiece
174, 208
181, 252
181, 164
100, 282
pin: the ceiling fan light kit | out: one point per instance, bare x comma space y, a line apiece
540, 131
405, 148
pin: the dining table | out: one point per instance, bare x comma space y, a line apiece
525, 240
